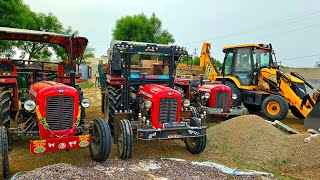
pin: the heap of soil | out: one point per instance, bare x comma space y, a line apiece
250, 140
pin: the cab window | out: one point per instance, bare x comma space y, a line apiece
262, 57
242, 61
228, 63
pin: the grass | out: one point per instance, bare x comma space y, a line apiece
86, 84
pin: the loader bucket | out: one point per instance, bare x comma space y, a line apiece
312, 121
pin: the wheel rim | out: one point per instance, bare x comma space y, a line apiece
95, 139
273, 108
192, 142
120, 141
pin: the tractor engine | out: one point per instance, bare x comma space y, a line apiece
215, 96
160, 104
56, 108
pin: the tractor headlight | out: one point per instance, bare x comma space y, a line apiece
207, 95
85, 102
148, 104
186, 103
29, 105
234, 96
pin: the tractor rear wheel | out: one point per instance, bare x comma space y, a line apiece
275, 108
100, 141
125, 139
5, 102
195, 145
4, 163
112, 103
296, 112
236, 93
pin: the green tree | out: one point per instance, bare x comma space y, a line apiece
36, 50
15, 14
317, 64
142, 29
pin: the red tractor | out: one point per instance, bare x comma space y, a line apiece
54, 112
214, 99
139, 96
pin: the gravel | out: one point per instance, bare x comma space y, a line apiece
131, 169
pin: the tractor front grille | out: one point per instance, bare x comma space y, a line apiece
60, 112
168, 110
222, 99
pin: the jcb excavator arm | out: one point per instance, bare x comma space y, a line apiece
207, 62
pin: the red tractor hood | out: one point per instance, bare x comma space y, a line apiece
153, 90
50, 86
213, 87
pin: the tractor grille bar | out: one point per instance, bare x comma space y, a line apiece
60, 112
168, 110
222, 99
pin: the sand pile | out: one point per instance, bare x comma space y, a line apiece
251, 140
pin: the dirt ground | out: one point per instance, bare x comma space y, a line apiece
244, 143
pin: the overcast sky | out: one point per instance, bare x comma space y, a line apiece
292, 26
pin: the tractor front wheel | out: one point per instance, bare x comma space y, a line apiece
195, 145
274, 108
4, 163
125, 139
100, 142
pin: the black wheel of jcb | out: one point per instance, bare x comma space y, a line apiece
5, 102
274, 108
4, 163
296, 112
236, 93
112, 103
125, 139
195, 145
100, 141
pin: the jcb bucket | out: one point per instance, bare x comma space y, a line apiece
312, 121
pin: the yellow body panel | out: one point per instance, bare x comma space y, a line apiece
246, 45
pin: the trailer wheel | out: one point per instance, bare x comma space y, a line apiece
5, 102
296, 112
100, 141
112, 104
4, 163
235, 93
195, 145
195, 112
275, 108
125, 139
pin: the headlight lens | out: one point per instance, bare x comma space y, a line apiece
207, 95
85, 102
186, 103
234, 96
29, 105
148, 104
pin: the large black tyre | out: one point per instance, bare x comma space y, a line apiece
274, 108
112, 103
102, 102
195, 145
296, 112
125, 139
4, 163
100, 142
235, 92
5, 102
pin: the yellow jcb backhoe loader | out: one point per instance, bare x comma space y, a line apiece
252, 73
